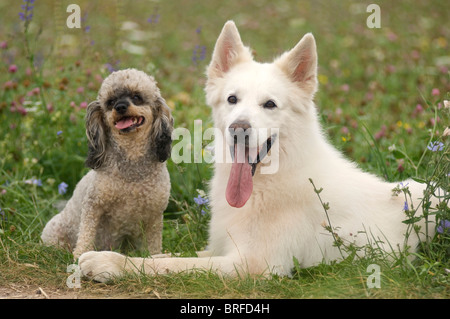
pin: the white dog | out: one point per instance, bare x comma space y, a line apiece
261, 221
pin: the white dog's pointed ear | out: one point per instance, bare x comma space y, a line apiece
300, 64
229, 50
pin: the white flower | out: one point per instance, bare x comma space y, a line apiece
446, 132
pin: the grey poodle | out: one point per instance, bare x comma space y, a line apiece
119, 203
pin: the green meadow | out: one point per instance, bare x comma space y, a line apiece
381, 99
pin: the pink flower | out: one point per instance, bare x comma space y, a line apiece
12, 68
381, 133
34, 91
415, 54
21, 110
3, 45
435, 92
83, 105
345, 87
392, 36
80, 89
72, 104
8, 85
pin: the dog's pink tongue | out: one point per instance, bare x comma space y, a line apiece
240, 183
124, 123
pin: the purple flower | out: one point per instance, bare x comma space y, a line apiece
59, 133
435, 146
34, 181
27, 8
405, 206
199, 53
2, 215
200, 200
444, 227
154, 18
62, 188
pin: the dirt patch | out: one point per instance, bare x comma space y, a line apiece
22, 291
17, 291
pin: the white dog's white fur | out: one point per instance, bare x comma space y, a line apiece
283, 218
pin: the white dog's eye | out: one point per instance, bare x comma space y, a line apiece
232, 99
269, 105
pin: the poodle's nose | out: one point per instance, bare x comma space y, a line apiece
121, 106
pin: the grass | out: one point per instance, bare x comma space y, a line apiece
381, 100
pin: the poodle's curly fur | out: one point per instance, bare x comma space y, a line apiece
119, 203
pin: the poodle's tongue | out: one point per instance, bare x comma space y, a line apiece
125, 123
240, 183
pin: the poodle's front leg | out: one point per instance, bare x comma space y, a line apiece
90, 217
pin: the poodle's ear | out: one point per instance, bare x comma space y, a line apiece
161, 133
96, 131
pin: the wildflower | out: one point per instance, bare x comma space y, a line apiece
199, 53
435, 92
405, 206
345, 87
154, 18
435, 146
27, 8
12, 68
199, 200
446, 132
59, 133
400, 167
381, 133
34, 181
402, 186
446, 104
83, 105
444, 227
3, 45
2, 215
62, 188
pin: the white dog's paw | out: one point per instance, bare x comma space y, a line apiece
101, 266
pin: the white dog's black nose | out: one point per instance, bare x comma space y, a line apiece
121, 106
240, 131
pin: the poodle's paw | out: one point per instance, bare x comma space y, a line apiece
101, 266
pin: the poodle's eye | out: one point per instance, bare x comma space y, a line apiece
269, 105
232, 99
110, 102
137, 99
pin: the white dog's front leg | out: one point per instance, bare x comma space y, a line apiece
105, 265
101, 266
